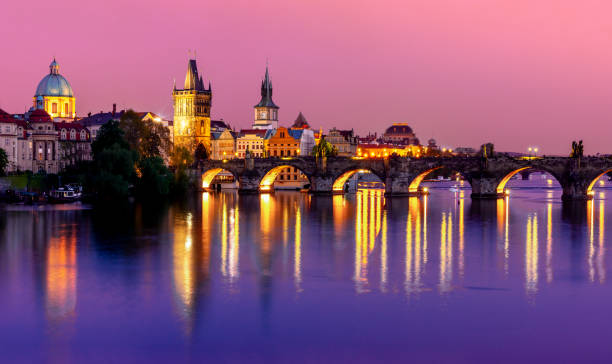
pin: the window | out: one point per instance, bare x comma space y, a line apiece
83, 135
63, 133
54, 108
66, 108
72, 134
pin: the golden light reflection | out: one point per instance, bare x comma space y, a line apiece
61, 276
367, 227
591, 253
601, 268
446, 252
503, 228
414, 260
297, 251
531, 254
190, 259
384, 269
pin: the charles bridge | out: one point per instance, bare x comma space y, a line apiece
403, 175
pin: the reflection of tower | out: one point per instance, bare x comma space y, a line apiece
266, 112
192, 110
61, 276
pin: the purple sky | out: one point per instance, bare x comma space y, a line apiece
516, 73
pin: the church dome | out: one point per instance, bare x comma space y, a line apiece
54, 84
398, 129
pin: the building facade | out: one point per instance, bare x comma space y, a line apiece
223, 145
192, 106
344, 140
266, 111
251, 140
54, 95
281, 143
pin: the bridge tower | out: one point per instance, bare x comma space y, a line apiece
192, 110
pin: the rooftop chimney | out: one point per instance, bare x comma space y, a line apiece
114, 109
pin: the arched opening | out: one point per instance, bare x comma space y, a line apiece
530, 178
284, 177
598, 182
217, 179
353, 180
437, 177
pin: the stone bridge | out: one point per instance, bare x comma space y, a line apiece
403, 176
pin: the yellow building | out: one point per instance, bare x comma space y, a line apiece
192, 111
223, 145
54, 95
251, 140
387, 150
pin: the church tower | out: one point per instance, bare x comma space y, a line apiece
192, 111
266, 112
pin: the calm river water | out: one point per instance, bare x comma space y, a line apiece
291, 277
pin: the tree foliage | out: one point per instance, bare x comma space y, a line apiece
324, 149
129, 153
3, 161
147, 138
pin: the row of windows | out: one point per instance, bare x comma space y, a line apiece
251, 146
54, 108
283, 153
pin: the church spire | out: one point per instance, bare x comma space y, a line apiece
266, 92
191, 78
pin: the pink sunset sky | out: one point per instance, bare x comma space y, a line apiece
515, 73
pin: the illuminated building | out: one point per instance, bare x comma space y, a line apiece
282, 143
387, 150
251, 140
344, 140
223, 145
54, 94
266, 111
192, 111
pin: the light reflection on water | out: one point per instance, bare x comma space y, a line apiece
224, 275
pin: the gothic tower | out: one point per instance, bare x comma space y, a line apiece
192, 111
266, 112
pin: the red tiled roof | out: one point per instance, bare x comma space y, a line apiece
40, 116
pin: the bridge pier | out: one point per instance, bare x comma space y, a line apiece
485, 188
576, 192
248, 184
322, 185
397, 186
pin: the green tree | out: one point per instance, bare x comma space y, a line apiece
3, 162
324, 149
154, 179
113, 163
146, 137
180, 159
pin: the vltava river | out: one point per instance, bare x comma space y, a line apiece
291, 277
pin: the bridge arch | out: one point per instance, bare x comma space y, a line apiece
266, 184
501, 185
415, 185
589, 190
209, 175
340, 181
